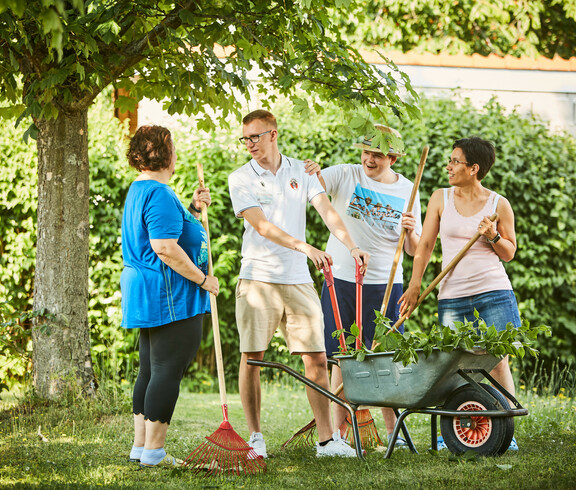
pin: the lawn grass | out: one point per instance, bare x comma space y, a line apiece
86, 445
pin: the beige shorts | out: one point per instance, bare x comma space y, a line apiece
262, 307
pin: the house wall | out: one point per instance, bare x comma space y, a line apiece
541, 87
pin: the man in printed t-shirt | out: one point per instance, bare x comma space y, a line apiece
372, 199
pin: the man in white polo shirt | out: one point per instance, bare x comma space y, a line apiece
275, 288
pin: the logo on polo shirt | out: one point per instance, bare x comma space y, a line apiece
294, 184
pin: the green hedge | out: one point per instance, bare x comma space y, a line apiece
533, 170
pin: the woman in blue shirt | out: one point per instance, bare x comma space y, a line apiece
165, 287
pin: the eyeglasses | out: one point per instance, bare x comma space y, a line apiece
254, 138
453, 161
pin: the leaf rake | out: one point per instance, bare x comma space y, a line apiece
368, 433
224, 451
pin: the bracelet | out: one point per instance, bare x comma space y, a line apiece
495, 239
202, 283
191, 207
354, 248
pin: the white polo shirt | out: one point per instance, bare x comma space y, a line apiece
282, 198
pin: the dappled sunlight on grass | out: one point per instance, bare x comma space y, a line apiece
549, 415
86, 447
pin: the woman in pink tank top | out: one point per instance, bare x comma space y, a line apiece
479, 281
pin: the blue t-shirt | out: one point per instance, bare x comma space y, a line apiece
152, 293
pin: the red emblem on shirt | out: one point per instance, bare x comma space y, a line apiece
294, 184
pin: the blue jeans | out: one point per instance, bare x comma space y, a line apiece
496, 308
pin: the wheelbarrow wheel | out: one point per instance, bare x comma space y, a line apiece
487, 436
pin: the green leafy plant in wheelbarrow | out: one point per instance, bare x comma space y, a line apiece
471, 335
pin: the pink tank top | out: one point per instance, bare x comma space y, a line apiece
480, 270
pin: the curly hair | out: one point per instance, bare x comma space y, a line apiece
150, 148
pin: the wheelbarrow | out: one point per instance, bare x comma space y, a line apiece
474, 416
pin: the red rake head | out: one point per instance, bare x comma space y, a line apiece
368, 434
304, 437
225, 452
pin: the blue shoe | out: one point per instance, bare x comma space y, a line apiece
440, 443
513, 445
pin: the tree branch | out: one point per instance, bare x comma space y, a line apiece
134, 52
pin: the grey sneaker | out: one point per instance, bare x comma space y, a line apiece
257, 443
400, 443
336, 447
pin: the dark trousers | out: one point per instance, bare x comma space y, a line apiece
165, 353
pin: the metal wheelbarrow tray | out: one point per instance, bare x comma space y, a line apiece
473, 415
380, 382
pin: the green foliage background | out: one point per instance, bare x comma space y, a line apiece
507, 27
533, 170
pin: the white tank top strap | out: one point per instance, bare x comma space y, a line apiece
496, 198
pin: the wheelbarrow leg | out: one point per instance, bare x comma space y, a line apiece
405, 433
396, 431
434, 432
355, 430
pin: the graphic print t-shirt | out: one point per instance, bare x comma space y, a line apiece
372, 212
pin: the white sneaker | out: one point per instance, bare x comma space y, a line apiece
257, 443
336, 447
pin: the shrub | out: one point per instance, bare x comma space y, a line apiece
532, 171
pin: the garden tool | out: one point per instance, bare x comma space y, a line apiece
398, 253
368, 434
224, 451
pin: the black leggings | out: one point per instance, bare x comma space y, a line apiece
165, 353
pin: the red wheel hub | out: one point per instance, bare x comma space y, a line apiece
478, 431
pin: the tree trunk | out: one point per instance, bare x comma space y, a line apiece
61, 338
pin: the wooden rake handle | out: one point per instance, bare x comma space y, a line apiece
398, 254
213, 305
359, 284
440, 276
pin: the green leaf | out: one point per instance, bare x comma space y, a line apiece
50, 20
11, 112
357, 122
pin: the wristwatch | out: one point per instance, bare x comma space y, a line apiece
193, 208
495, 239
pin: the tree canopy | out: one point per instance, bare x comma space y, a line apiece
65, 53
506, 27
